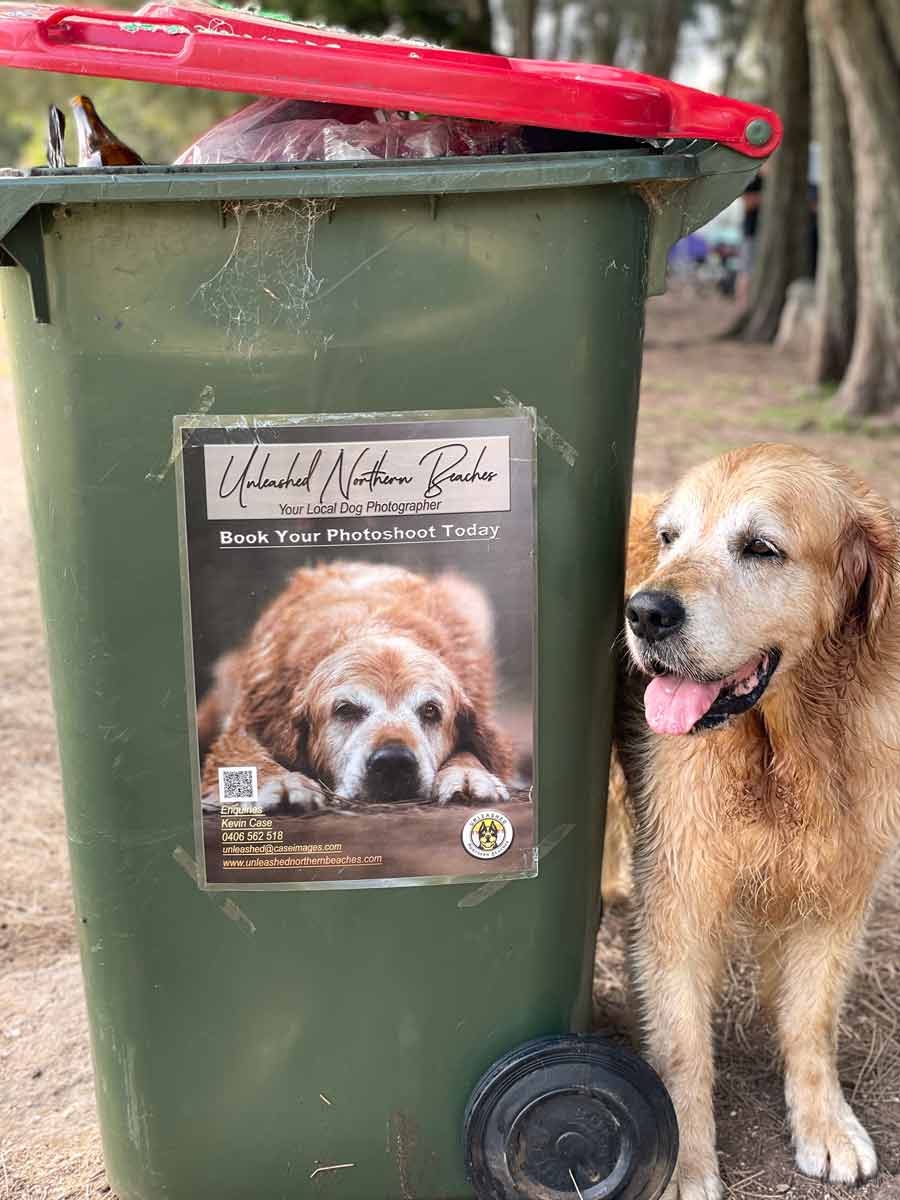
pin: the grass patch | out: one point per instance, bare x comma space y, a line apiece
792, 417
664, 385
809, 410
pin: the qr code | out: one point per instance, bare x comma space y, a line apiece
237, 784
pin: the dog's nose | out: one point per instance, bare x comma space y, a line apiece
392, 772
654, 615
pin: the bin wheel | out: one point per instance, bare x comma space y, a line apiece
570, 1116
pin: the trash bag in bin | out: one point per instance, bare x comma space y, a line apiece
297, 131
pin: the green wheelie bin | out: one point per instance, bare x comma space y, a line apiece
329, 470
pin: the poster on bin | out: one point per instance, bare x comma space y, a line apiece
359, 610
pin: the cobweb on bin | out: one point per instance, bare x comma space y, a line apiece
267, 281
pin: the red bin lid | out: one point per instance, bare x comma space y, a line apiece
195, 44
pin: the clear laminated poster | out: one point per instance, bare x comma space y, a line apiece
360, 617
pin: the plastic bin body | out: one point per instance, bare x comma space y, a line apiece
242, 1042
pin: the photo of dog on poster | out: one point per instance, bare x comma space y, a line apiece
362, 683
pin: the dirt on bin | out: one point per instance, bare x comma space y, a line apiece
699, 397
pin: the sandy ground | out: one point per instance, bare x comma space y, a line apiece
699, 398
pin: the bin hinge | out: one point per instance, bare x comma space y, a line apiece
23, 246
678, 207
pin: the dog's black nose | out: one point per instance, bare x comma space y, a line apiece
654, 615
392, 773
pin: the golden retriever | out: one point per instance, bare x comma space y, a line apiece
364, 682
763, 773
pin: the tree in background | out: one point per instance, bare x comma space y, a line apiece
836, 274
660, 29
863, 40
784, 214
735, 19
603, 31
459, 24
521, 15
642, 35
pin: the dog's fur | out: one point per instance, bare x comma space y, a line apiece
346, 661
779, 821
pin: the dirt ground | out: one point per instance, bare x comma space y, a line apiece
699, 397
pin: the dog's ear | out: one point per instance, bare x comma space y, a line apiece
474, 735
219, 700
279, 721
868, 558
287, 740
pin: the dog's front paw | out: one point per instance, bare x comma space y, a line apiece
834, 1146
686, 1185
291, 793
470, 784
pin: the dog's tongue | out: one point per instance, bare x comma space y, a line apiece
675, 705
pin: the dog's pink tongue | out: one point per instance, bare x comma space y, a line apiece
675, 705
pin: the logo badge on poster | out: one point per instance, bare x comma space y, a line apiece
487, 834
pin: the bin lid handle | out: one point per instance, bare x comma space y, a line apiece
196, 44
89, 29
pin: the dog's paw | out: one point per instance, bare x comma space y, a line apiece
836, 1147
470, 784
291, 793
685, 1186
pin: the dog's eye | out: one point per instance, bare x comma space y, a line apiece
760, 548
667, 537
430, 713
346, 710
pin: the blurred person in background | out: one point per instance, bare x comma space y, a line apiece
752, 199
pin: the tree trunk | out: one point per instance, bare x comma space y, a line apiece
784, 212
554, 50
863, 37
607, 25
523, 13
835, 320
736, 18
889, 15
477, 32
662, 26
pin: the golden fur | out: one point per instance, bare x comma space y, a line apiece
778, 822
349, 660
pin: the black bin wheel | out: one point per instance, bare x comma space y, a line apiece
570, 1118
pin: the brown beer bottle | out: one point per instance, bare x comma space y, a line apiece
98, 146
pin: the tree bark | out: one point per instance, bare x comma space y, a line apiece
662, 27
784, 212
736, 17
607, 25
477, 28
835, 320
863, 37
523, 13
554, 50
889, 15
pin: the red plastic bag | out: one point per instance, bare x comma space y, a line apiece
273, 130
